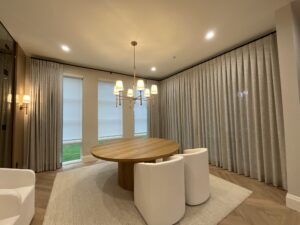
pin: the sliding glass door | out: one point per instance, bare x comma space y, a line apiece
72, 119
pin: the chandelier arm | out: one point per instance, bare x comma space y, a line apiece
128, 98
137, 99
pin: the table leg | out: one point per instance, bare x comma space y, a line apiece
125, 175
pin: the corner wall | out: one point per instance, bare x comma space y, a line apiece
18, 136
90, 104
288, 35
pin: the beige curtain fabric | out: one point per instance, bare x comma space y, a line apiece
153, 117
43, 138
231, 105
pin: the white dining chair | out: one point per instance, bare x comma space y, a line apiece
196, 173
17, 194
159, 191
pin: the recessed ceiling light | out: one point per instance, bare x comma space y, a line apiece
209, 35
153, 68
65, 48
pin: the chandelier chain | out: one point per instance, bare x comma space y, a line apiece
134, 68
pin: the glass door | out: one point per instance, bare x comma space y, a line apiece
7, 96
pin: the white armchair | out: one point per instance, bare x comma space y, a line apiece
196, 173
159, 191
17, 194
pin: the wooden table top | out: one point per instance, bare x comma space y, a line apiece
135, 149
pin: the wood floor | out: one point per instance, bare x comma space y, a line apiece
266, 205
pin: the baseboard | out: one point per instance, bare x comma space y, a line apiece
293, 202
89, 158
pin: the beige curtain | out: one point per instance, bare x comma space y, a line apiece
231, 105
153, 116
43, 138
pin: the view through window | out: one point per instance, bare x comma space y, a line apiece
110, 118
140, 119
72, 119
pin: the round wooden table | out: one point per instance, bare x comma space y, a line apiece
128, 151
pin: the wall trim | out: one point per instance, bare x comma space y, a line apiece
88, 158
293, 202
62, 62
227, 50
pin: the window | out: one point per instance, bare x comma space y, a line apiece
110, 119
140, 119
72, 118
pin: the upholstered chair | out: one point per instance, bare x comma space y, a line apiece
17, 194
196, 173
159, 191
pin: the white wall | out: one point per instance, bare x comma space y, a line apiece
296, 12
90, 103
288, 33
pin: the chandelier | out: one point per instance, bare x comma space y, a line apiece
138, 92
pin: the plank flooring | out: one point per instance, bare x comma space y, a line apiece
266, 205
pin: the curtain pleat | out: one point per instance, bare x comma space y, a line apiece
153, 114
43, 140
231, 105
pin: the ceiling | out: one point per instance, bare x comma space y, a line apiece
99, 32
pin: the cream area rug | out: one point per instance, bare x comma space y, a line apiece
91, 196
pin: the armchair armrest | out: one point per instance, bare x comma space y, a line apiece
14, 178
10, 203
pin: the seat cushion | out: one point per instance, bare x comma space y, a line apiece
24, 192
27, 200
9, 221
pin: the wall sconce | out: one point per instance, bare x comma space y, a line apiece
9, 99
26, 101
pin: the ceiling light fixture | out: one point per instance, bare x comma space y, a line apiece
153, 68
209, 35
144, 94
65, 48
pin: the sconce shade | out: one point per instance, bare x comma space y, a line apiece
147, 93
26, 99
130, 93
119, 85
154, 90
9, 98
140, 85
116, 92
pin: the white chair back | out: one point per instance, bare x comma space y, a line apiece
159, 191
196, 171
17, 196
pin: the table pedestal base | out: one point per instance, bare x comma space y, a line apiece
125, 175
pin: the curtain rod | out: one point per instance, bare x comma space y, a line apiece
216, 56
85, 67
